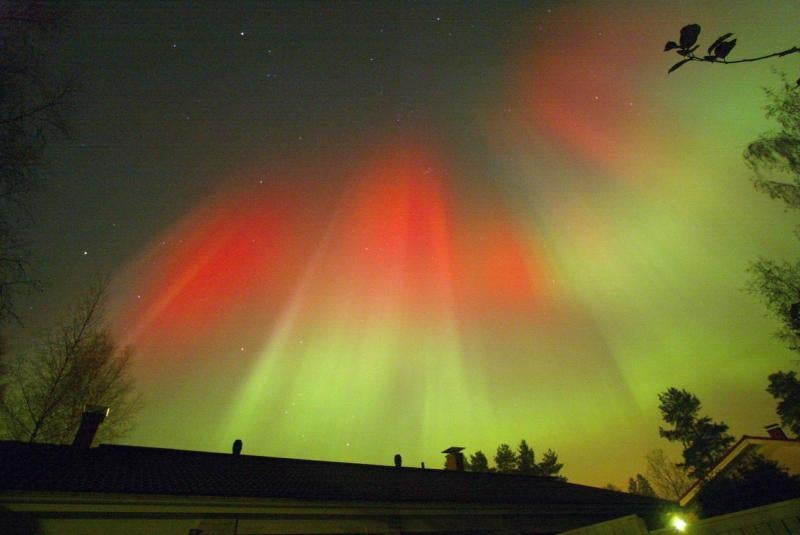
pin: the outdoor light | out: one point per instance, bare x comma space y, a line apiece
678, 523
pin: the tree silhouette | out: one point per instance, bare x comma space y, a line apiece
478, 462
526, 463
504, 459
78, 365
641, 486
523, 461
756, 481
785, 387
703, 440
774, 159
33, 102
670, 480
549, 465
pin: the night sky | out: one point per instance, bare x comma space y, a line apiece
344, 230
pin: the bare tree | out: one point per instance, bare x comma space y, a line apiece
669, 479
33, 102
77, 365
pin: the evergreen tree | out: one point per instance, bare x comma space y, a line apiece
525, 460
703, 440
478, 462
549, 465
505, 460
785, 387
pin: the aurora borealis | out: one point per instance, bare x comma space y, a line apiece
347, 230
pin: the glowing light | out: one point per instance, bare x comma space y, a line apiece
393, 303
679, 523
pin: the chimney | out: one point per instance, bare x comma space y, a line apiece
237, 446
775, 431
398, 461
93, 416
455, 459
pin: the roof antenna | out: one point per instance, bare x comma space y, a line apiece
237, 446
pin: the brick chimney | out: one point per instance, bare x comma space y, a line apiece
455, 459
93, 416
775, 431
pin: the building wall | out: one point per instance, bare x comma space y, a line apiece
73, 514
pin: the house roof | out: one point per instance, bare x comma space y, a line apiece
156, 471
765, 445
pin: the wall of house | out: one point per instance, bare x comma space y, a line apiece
98, 514
787, 455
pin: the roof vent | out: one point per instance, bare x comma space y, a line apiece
455, 459
775, 431
93, 416
237, 446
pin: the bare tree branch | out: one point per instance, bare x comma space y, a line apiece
78, 364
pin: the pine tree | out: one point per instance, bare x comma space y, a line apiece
525, 460
549, 465
478, 462
785, 387
505, 460
703, 440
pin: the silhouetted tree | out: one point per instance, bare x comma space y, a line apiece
504, 459
669, 479
775, 161
32, 108
478, 462
526, 463
549, 465
755, 482
717, 52
785, 387
703, 440
78, 365
522, 461
641, 486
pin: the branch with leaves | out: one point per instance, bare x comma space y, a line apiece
686, 46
